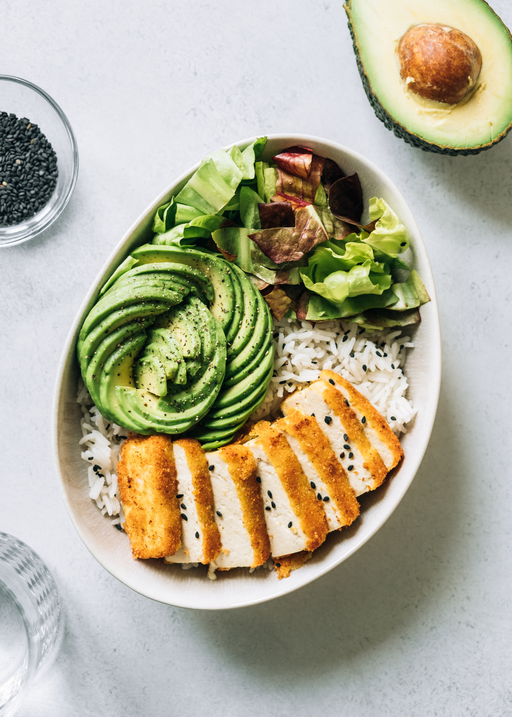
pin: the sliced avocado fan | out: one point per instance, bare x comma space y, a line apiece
179, 339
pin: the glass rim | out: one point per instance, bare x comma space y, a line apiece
25, 233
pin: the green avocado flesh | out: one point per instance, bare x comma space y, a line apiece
476, 123
179, 341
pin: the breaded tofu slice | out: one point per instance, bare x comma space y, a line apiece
358, 435
325, 473
375, 427
148, 488
238, 509
295, 517
200, 537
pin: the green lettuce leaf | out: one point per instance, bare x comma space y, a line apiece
411, 293
390, 235
245, 159
199, 228
321, 309
172, 213
249, 212
249, 257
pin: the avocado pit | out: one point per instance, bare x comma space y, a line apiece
439, 63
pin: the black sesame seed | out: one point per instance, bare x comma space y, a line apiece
331, 381
273, 504
179, 496
290, 524
403, 243
378, 353
197, 535
392, 365
346, 447
342, 455
363, 419
90, 458
344, 338
281, 382
313, 485
96, 468
258, 479
352, 354
350, 455
269, 493
350, 468
393, 418
347, 403
278, 565
211, 468
267, 507
183, 506
345, 437
184, 516
28, 175
119, 526
313, 415
328, 419
219, 514
365, 367
319, 496
326, 499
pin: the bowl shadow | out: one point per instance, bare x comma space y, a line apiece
364, 601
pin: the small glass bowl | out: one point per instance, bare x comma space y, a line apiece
24, 99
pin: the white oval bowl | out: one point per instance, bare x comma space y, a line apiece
238, 588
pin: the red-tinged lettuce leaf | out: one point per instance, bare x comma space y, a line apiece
332, 172
346, 199
335, 228
284, 244
301, 310
279, 302
296, 203
291, 186
276, 214
296, 161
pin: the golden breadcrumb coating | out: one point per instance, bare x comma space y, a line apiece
203, 496
146, 475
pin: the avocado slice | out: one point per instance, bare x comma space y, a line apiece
480, 120
180, 322
149, 374
259, 333
215, 269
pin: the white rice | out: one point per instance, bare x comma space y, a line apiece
372, 361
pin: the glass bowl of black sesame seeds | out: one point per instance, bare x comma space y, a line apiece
38, 160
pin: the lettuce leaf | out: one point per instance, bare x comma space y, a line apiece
248, 256
245, 159
199, 228
172, 213
284, 244
295, 160
249, 212
390, 235
410, 293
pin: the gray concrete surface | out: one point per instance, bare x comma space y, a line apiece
418, 621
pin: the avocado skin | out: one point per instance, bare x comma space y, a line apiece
398, 129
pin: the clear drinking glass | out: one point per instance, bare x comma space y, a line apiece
30, 620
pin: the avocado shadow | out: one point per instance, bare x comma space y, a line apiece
481, 182
385, 588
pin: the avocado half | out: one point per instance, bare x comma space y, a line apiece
478, 122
